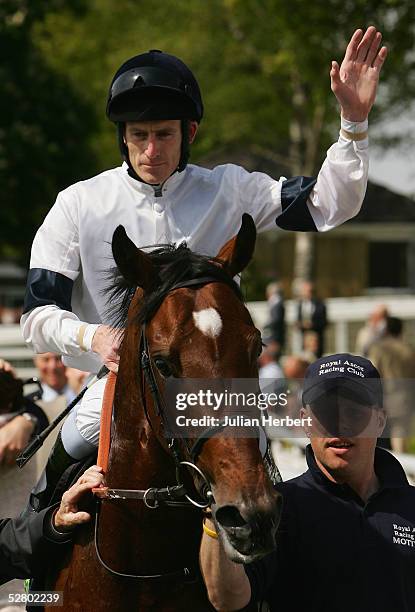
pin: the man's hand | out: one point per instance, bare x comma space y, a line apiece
68, 515
14, 437
106, 342
354, 84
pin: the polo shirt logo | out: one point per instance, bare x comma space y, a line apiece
404, 535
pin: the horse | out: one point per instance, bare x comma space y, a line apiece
182, 316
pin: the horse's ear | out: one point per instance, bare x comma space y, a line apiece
135, 266
238, 251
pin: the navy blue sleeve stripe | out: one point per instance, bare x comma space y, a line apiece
45, 287
295, 215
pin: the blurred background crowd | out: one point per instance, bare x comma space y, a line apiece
381, 338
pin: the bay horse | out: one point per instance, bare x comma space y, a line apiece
187, 318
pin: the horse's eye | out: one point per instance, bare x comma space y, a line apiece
163, 367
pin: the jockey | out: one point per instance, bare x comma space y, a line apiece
155, 102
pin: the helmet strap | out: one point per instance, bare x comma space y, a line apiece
185, 148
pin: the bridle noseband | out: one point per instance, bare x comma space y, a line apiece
194, 450
175, 495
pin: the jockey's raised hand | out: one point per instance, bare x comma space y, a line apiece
106, 342
355, 83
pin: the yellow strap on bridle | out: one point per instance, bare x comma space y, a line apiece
208, 531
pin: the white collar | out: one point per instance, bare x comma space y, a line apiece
169, 184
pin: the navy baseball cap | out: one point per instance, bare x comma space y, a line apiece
354, 375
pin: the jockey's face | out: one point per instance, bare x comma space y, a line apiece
154, 147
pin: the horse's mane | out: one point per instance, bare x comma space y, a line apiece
174, 265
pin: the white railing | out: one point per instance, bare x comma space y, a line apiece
341, 312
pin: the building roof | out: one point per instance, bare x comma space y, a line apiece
384, 206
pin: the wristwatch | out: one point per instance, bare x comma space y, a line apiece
30, 417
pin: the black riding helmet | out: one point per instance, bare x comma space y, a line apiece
154, 86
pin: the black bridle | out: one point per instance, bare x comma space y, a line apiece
170, 495
175, 495
194, 450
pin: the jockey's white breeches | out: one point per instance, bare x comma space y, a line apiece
80, 432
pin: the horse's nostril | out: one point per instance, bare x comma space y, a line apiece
229, 516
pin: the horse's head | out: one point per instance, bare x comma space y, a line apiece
203, 330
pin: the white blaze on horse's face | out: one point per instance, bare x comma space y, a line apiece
208, 321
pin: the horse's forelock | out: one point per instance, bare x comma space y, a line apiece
174, 265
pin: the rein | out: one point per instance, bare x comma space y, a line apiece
175, 495
168, 495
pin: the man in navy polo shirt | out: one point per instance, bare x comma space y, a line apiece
347, 535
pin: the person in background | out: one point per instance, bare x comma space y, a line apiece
275, 327
59, 390
270, 373
294, 368
395, 360
372, 331
312, 316
52, 375
20, 418
311, 346
268, 361
345, 541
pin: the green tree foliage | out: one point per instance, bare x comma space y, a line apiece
43, 143
263, 67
